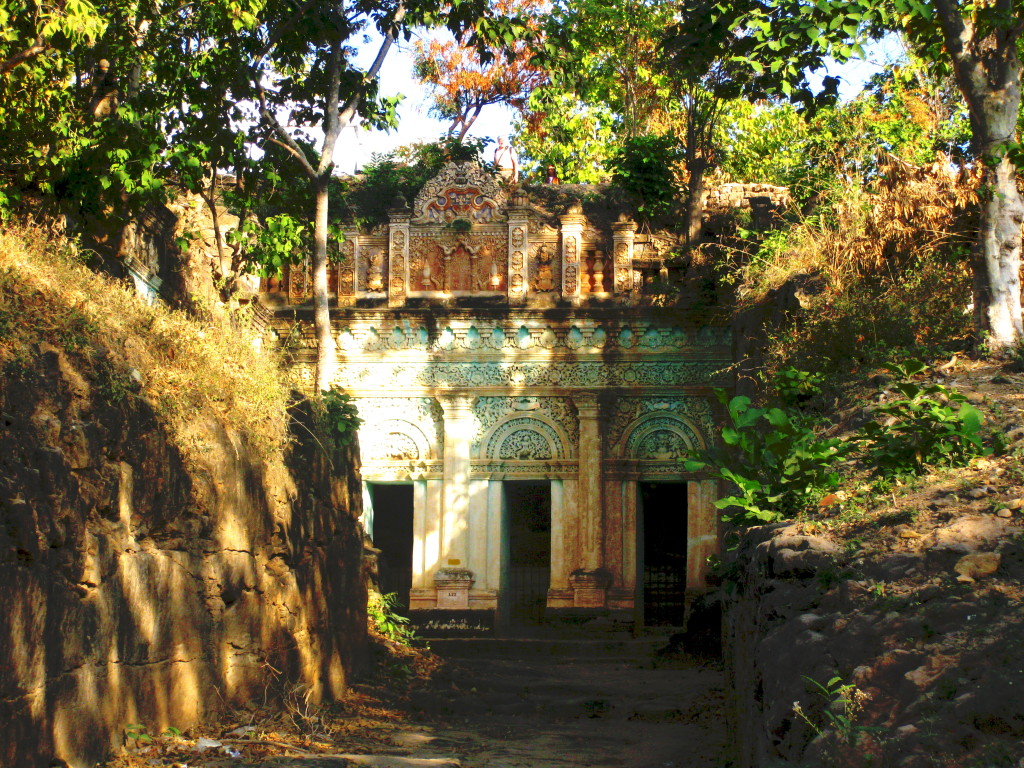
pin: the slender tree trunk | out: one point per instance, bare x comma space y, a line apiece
326, 362
988, 72
467, 121
694, 209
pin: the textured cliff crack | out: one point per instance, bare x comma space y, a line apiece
121, 663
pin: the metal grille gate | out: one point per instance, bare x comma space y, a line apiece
664, 595
528, 593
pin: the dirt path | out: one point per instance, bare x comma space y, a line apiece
551, 712
547, 707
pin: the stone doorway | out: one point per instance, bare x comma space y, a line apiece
661, 550
527, 537
392, 534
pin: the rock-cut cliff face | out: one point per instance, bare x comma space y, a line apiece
140, 587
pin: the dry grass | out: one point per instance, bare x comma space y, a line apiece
189, 371
875, 269
873, 232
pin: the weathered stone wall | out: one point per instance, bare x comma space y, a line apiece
724, 197
141, 588
768, 644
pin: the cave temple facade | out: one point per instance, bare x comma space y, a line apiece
526, 407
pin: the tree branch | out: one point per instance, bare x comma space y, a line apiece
286, 141
19, 58
332, 118
349, 110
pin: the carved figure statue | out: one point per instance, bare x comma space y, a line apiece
544, 280
375, 272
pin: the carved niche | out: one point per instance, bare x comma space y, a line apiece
372, 278
545, 269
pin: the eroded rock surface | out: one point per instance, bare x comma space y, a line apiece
139, 588
929, 638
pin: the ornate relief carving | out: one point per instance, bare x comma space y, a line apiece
400, 428
544, 281
622, 279
460, 191
571, 254
518, 237
524, 445
570, 279
540, 373
556, 411
524, 438
662, 438
374, 279
545, 269
396, 286
470, 263
397, 446
661, 445
348, 279
643, 416
299, 283
480, 334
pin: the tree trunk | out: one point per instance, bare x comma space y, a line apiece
325, 357
988, 72
995, 259
694, 209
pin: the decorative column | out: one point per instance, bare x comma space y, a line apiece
572, 241
590, 581
426, 551
518, 248
398, 252
347, 270
458, 435
701, 531
623, 235
565, 538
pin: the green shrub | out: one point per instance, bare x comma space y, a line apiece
928, 425
646, 167
340, 416
381, 610
774, 459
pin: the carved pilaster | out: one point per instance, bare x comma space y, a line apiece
458, 440
590, 488
347, 270
518, 248
572, 251
623, 235
398, 253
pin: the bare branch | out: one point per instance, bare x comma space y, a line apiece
286, 140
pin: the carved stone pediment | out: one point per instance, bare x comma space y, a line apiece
461, 191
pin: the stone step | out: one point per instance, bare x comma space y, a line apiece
527, 647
